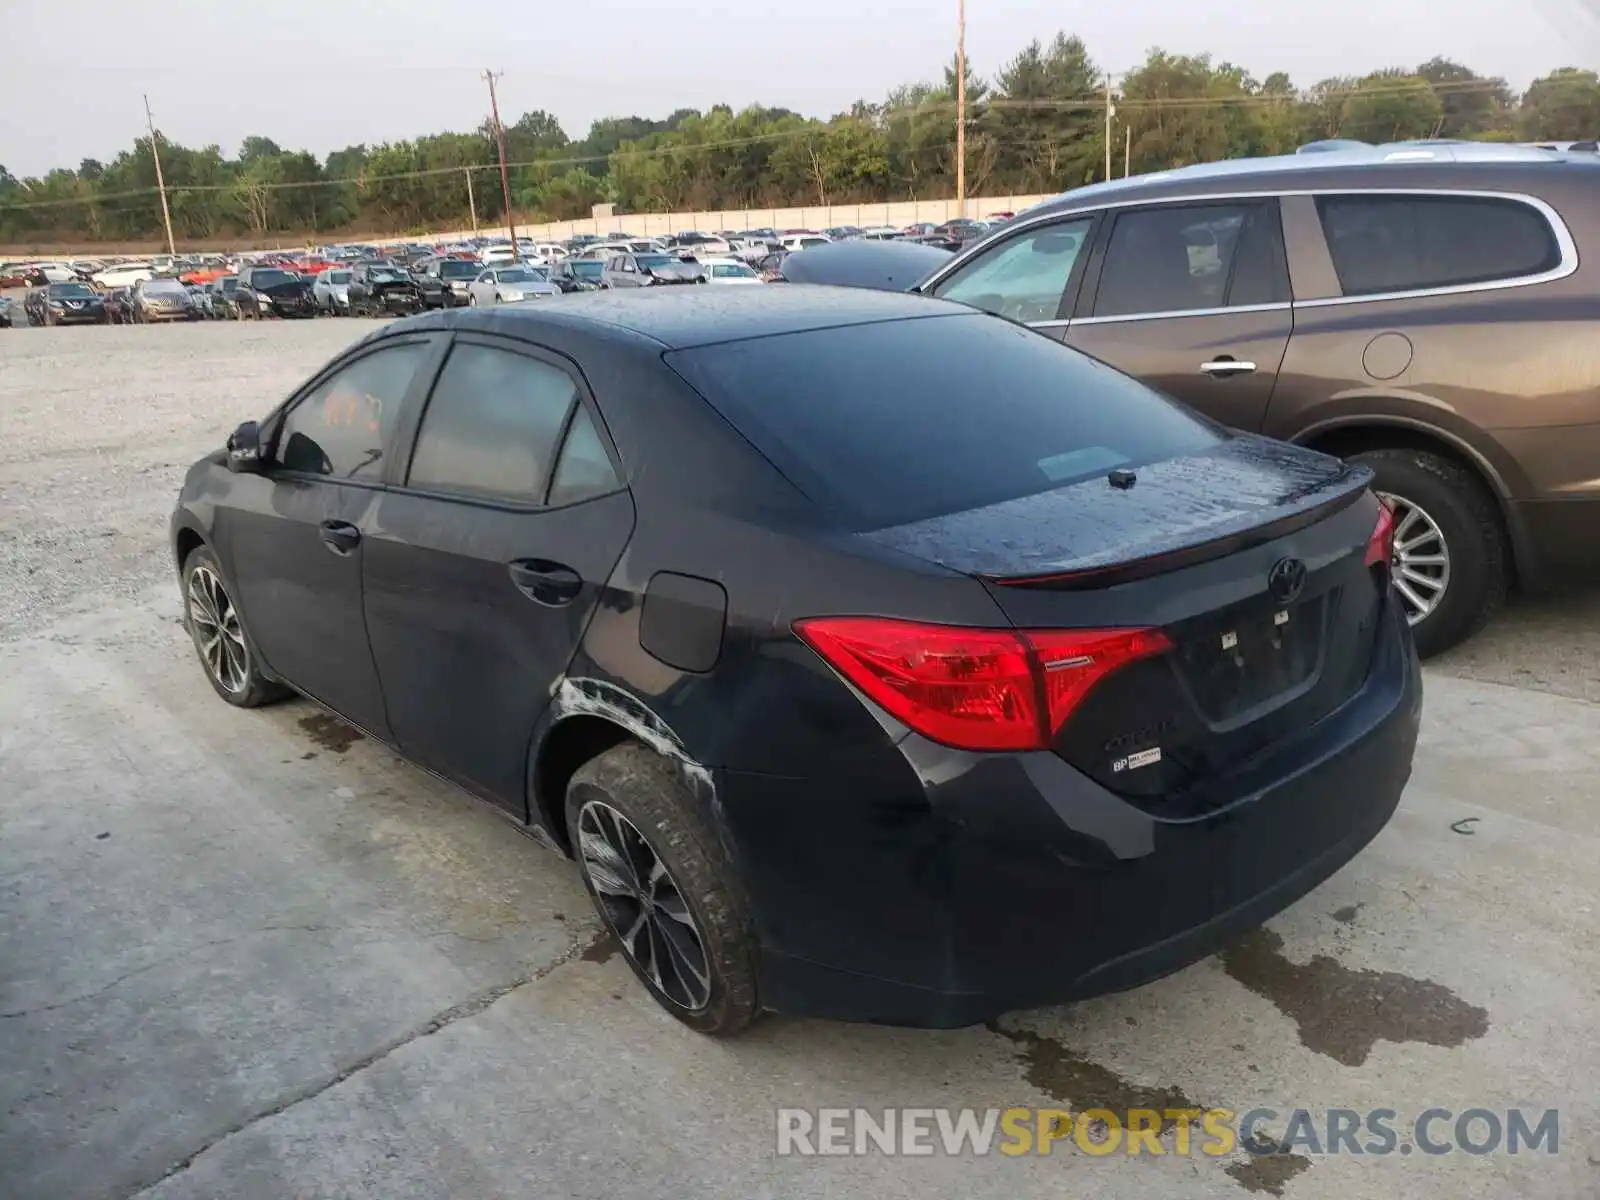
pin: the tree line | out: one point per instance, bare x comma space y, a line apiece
1038, 125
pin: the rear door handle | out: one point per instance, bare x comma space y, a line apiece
340, 536
546, 582
1221, 368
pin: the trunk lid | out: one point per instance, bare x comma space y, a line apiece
1250, 558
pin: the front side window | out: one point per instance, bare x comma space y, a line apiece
1023, 278
1176, 259
491, 426
340, 428
1394, 243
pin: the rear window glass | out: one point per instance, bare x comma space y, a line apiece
888, 423
1403, 243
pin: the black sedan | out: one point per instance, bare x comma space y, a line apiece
379, 288
876, 658
64, 304
577, 274
272, 292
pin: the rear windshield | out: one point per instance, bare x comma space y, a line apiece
889, 423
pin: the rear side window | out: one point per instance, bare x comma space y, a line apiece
491, 427
584, 469
1170, 259
341, 427
1405, 243
893, 422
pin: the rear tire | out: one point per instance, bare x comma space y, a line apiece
227, 654
673, 900
1477, 552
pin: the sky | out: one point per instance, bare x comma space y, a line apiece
322, 74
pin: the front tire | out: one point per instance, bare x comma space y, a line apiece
1452, 564
227, 655
665, 888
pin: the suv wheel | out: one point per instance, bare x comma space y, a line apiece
1452, 566
664, 887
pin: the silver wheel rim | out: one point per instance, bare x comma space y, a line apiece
644, 906
218, 636
1421, 564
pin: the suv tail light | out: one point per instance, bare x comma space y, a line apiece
1380, 546
976, 689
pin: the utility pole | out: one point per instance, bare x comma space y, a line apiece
472, 205
1109, 111
1127, 149
961, 105
505, 179
161, 184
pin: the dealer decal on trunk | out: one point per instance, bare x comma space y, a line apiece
1134, 761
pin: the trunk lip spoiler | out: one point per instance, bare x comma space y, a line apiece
1162, 562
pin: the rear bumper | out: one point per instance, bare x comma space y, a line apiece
996, 882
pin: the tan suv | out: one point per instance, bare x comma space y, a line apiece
1420, 308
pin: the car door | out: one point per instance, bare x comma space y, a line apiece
295, 537
488, 555
1192, 298
482, 289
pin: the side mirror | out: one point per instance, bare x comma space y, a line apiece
244, 448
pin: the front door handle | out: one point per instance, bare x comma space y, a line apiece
544, 581
340, 536
1223, 366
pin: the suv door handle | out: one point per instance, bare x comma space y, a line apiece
545, 582
340, 536
1221, 368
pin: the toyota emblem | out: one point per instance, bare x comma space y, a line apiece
1287, 577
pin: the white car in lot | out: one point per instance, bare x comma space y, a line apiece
804, 241
124, 274
509, 284
728, 271
330, 291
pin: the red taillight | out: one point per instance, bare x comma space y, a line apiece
1380, 546
975, 689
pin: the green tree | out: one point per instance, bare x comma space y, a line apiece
1562, 106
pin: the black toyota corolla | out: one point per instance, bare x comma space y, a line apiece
874, 657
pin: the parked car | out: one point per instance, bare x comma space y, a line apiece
510, 285
770, 266
5, 312
330, 292
224, 293
1430, 317
803, 241
728, 271
272, 292
160, 299
844, 697
577, 274
115, 304
454, 276
124, 274
200, 299
74, 303
648, 270
377, 288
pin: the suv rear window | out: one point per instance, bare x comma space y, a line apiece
1405, 243
887, 423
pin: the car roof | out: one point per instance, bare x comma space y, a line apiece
679, 318
1355, 165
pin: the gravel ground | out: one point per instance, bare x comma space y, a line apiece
97, 426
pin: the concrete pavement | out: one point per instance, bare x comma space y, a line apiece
252, 955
